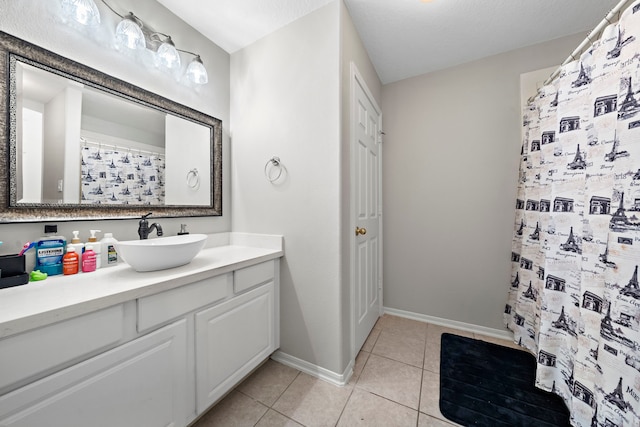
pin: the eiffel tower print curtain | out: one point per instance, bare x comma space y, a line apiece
574, 298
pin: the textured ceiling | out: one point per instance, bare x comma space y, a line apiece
405, 38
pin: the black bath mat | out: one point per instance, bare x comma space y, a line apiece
485, 384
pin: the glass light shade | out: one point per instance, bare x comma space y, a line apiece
129, 34
167, 56
84, 12
196, 73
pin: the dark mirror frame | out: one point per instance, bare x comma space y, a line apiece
12, 47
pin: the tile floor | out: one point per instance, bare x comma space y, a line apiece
395, 383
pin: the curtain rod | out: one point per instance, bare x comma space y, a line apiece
86, 142
587, 41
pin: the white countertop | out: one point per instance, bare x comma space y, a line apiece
62, 297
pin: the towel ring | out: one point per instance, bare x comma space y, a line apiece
275, 163
193, 178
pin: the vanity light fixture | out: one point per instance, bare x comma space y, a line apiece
129, 33
84, 12
167, 55
132, 34
196, 72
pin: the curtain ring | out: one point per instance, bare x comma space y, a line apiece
193, 178
275, 163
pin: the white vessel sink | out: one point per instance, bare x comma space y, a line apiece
162, 252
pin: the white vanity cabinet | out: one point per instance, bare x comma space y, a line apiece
140, 383
231, 340
155, 358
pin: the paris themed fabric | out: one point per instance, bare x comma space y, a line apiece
121, 177
574, 298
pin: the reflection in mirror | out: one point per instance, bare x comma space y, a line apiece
77, 144
82, 144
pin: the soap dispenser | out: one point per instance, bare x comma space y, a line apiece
76, 243
89, 259
96, 246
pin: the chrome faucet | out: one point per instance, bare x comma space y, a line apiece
144, 229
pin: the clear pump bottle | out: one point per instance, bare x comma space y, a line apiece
96, 246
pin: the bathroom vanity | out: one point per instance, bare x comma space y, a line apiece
120, 348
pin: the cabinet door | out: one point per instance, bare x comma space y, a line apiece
232, 339
141, 383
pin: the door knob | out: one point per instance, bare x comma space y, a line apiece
360, 231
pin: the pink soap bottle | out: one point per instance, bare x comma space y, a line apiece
88, 259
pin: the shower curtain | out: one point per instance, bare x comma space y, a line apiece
574, 298
113, 176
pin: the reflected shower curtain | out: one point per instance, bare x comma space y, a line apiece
574, 298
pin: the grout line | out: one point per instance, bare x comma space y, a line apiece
287, 417
346, 403
424, 359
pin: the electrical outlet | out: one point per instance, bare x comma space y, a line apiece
60, 185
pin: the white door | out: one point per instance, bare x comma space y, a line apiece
366, 202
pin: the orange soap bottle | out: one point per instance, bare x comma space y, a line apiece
70, 261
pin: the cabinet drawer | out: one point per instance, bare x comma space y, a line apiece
31, 353
252, 276
157, 309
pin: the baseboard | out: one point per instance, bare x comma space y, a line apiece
314, 370
483, 330
342, 379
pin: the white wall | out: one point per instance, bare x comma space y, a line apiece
29, 172
286, 103
55, 133
351, 51
450, 167
187, 149
37, 21
71, 149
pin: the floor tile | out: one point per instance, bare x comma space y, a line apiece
430, 395
429, 421
235, 410
402, 348
371, 339
402, 326
392, 380
432, 357
367, 409
268, 382
274, 419
435, 331
361, 360
313, 402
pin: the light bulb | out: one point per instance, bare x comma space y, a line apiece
167, 55
129, 34
196, 73
84, 12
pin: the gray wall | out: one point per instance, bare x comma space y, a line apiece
286, 103
351, 51
38, 22
450, 166
291, 99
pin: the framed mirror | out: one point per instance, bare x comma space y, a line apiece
78, 144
